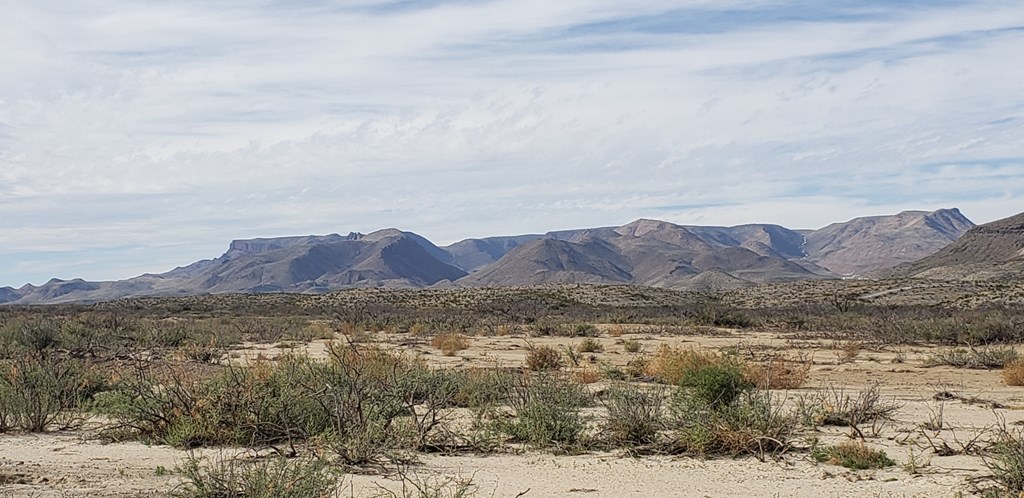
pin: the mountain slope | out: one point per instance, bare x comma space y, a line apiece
990, 251
865, 244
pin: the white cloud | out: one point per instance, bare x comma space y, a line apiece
134, 123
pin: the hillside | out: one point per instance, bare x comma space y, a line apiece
872, 243
993, 251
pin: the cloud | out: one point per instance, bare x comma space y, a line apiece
126, 125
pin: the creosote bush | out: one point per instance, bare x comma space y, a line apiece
40, 392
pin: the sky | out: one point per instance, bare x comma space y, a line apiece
137, 136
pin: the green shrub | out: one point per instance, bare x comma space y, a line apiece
715, 385
853, 455
547, 409
634, 414
1007, 461
750, 425
41, 392
276, 477
632, 346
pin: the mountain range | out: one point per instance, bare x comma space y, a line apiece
644, 252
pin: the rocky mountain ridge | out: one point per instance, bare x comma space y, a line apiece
644, 252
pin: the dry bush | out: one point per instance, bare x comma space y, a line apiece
450, 342
616, 331
539, 358
778, 373
1013, 373
590, 345
848, 351
587, 375
984, 358
670, 365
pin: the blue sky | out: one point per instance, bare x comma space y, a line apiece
136, 136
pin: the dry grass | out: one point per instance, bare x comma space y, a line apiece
778, 373
669, 365
450, 343
1013, 373
587, 375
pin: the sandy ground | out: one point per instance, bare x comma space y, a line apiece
74, 464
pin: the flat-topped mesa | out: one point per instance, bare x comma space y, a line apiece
264, 245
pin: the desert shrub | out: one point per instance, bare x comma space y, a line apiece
716, 384
540, 358
777, 373
835, 406
8, 410
749, 425
853, 455
40, 392
450, 342
984, 358
587, 375
848, 351
590, 345
632, 346
584, 330
634, 414
1007, 461
670, 365
167, 407
274, 477
207, 352
365, 403
547, 409
1013, 373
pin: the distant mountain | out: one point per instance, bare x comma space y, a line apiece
644, 252
866, 244
473, 254
991, 251
291, 264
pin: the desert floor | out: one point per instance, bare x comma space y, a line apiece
934, 438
